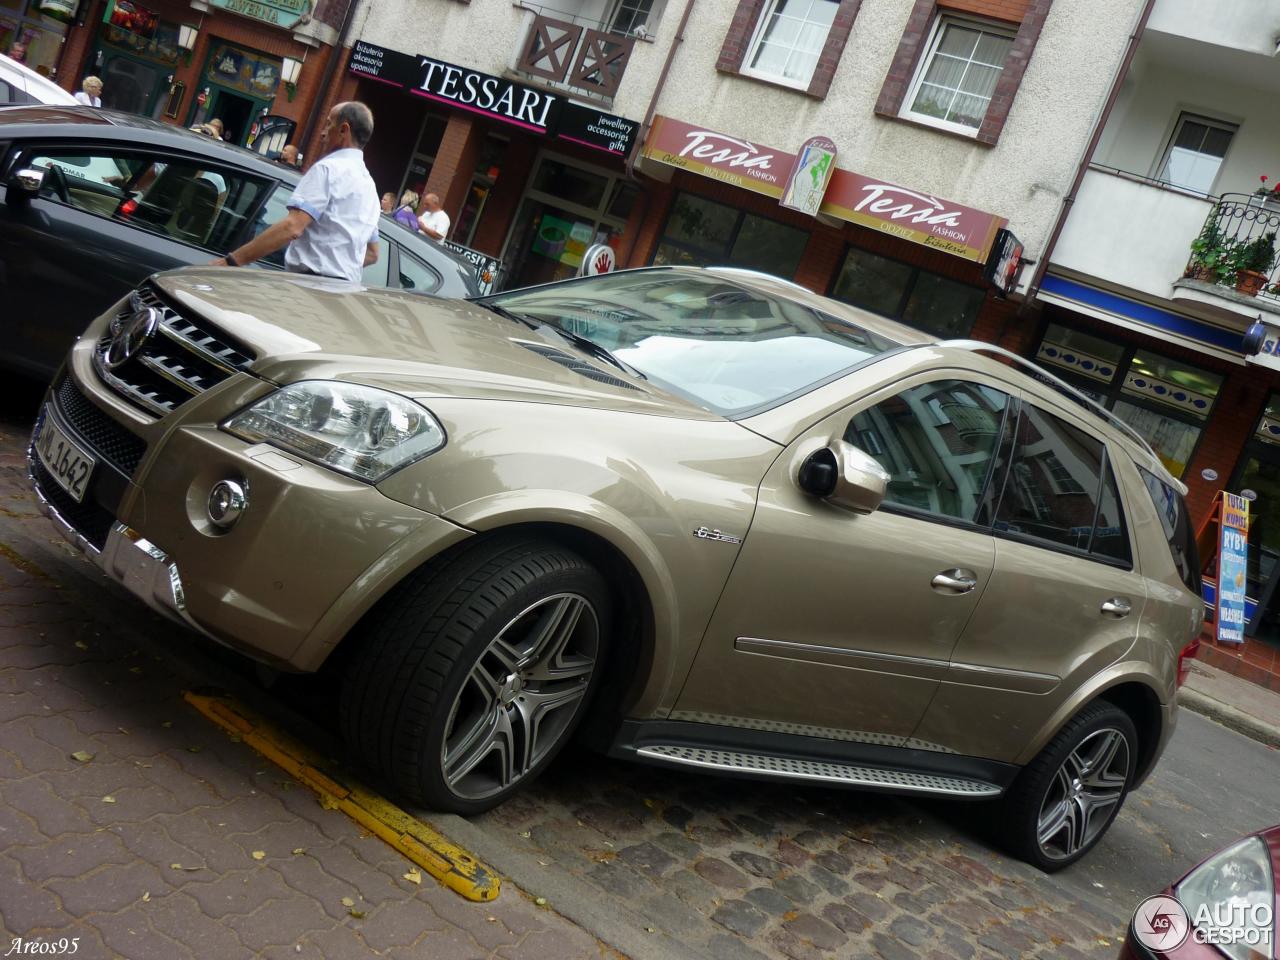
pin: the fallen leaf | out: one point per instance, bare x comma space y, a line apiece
175, 866
258, 854
135, 670
82, 755
108, 799
492, 919
299, 850
348, 902
146, 897
358, 914
413, 876
327, 802
82, 645
526, 834
541, 901
651, 929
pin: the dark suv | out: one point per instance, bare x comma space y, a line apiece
95, 201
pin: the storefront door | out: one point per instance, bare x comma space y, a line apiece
133, 86
1258, 477
568, 206
241, 85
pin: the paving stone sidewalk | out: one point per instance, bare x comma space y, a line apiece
168, 840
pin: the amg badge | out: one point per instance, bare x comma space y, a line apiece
706, 533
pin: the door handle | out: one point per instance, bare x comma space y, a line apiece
954, 581
1118, 607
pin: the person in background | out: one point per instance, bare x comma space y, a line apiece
18, 52
388, 202
90, 92
404, 214
289, 156
219, 131
433, 220
331, 229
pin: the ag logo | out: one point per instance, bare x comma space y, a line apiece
1161, 923
128, 334
598, 259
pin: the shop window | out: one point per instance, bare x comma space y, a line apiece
1078, 508
1268, 429
1165, 400
701, 232
938, 442
488, 168
788, 40
1196, 152
563, 180
424, 154
32, 33
957, 78
925, 300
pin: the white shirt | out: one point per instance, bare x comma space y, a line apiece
338, 194
438, 221
87, 100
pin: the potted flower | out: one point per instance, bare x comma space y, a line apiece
1253, 261
1266, 194
1211, 255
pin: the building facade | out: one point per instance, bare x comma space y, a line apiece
1146, 299
260, 66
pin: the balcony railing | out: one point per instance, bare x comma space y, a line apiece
588, 58
1236, 247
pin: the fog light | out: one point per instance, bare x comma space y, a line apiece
227, 501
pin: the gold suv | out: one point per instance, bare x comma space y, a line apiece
718, 521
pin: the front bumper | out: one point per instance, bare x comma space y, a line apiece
313, 551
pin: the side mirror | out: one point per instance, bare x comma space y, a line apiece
27, 181
845, 476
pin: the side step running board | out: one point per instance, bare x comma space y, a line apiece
835, 773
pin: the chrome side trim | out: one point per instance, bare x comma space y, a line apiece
1023, 681
842, 656
843, 774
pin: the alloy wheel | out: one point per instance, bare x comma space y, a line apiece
1084, 794
520, 696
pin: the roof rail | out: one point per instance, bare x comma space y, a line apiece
981, 346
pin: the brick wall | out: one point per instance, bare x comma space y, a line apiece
1031, 15
455, 162
737, 41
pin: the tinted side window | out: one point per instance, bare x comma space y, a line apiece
938, 442
376, 273
276, 208
10, 94
205, 207
1172, 511
416, 275
1061, 489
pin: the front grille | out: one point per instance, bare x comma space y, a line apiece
580, 367
90, 520
183, 358
107, 437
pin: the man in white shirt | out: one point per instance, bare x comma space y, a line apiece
433, 220
332, 224
90, 93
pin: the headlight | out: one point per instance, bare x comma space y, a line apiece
1231, 898
362, 431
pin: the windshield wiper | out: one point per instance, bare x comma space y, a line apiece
593, 349
518, 318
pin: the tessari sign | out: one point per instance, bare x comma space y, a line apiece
910, 214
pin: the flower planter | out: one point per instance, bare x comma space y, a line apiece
1249, 282
1200, 271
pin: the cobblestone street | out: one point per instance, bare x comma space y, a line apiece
131, 822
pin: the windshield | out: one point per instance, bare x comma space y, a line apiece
728, 347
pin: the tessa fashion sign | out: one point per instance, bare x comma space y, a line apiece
910, 214
537, 111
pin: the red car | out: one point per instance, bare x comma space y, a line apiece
1225, 907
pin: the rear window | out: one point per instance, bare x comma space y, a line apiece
1172, 512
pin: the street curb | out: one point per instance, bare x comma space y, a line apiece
1230, 717
571, 898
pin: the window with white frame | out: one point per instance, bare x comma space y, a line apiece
788, 40
629, 15
957, 76
1195, 152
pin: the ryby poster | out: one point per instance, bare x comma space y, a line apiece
1233, 557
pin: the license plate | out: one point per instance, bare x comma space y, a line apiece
65, 459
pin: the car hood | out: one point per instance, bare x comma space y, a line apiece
304, 327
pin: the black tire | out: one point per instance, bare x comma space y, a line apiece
429, 661
1058, 808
